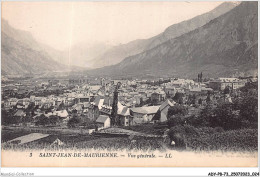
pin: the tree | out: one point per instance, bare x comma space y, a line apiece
16, 120
54, 119
175, 120
27, 119
249, 87
193, 99
200, 101
177, 134
247, 105
178, 97
204, 118
6, 117
30, 107
226, 117
208, 100
114, 116
177, 110
73, 122
190, 130
42, 120
227, 90
88, 122
200, 77
249, 109
242, 113
189, 100
61, 107
141, 101
49, 109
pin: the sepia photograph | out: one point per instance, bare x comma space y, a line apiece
129, 84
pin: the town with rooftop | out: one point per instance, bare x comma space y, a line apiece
85, 105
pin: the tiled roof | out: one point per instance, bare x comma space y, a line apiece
164, 104
125, 111
86, 105
146, 109
102, 118
19, 113
106, 110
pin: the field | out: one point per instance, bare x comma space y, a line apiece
232, 140
76, 141
154, 129
196, 139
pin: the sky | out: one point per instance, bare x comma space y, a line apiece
63, 24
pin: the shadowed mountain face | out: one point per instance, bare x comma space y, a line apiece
189, 25
118, 53
22, 55
225, 46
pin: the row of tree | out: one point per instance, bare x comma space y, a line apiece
216, 121
242, 113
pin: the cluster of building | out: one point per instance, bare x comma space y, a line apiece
138, 100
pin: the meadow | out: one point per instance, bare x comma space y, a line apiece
77, 141
196, 139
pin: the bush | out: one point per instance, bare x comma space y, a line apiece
42, 120
226, 117
73, 122
205, 130
208, 138
175, 120
177, 110
87, 122
205, 117
249, 110
7, 118
232, 140
190, 130
218, 129
54, 119
177, 134
92, 126
244, 139
178, 98
242, 113
154, 129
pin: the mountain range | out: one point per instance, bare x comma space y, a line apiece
221, 42
22, 55
116, 54
225, 46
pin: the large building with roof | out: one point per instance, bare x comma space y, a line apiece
143, 114
222, 83
161, 115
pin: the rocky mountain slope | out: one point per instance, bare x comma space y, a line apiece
118, 53
225, 46
22, 54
